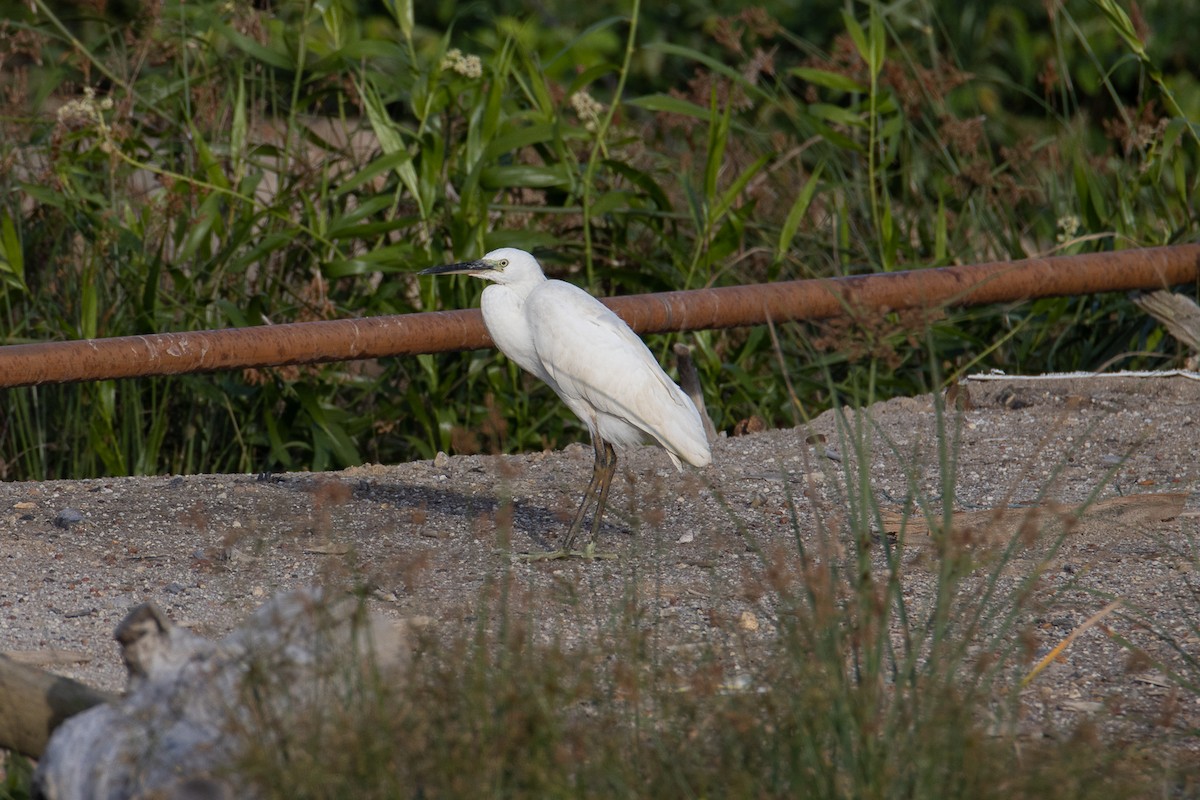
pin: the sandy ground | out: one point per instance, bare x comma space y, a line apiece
75, 556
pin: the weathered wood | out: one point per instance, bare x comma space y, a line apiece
1177, 313
34, 702
194, 706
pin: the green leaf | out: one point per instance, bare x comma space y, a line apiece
857, 35
878, 41
830, 80
233, 313
735, 189
382, 125
643, 181
391, 142
402, 12
45, 195
368, 207
330, 435
582, 36
12, 257
89, 306
368, 230
888, 233
941, 233
611, 201
201, 230
590, 76
525, 175
393, 258
837, 115
1120, 22
518, 137
214, 172
238, 130
799, 208
372, 171
665, 103
870, 44
274, 58
718, 135
524, 239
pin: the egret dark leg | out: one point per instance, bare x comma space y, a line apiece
610, 468
597, 491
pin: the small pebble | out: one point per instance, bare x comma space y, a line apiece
67, 517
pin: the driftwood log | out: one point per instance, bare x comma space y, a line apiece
34, 702
192, 702
1179, 314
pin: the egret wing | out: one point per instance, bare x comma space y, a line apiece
602, 369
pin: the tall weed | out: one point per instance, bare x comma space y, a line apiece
865, 685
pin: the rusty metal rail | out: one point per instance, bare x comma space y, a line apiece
728, 307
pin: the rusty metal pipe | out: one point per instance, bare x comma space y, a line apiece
701, 309
971, 285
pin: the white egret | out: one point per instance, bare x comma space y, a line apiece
592, 360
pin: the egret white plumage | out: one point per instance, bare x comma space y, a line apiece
592, 360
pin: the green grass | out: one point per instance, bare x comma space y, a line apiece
235, 166
17, 775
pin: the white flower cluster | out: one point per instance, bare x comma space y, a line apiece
588, 109
1068, 226
467, 66
84, 112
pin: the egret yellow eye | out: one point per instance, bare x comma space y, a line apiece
503, 263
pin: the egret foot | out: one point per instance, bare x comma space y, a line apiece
589, 553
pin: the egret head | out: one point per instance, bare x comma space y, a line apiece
506, 265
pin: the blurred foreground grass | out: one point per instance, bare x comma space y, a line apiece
859, 667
